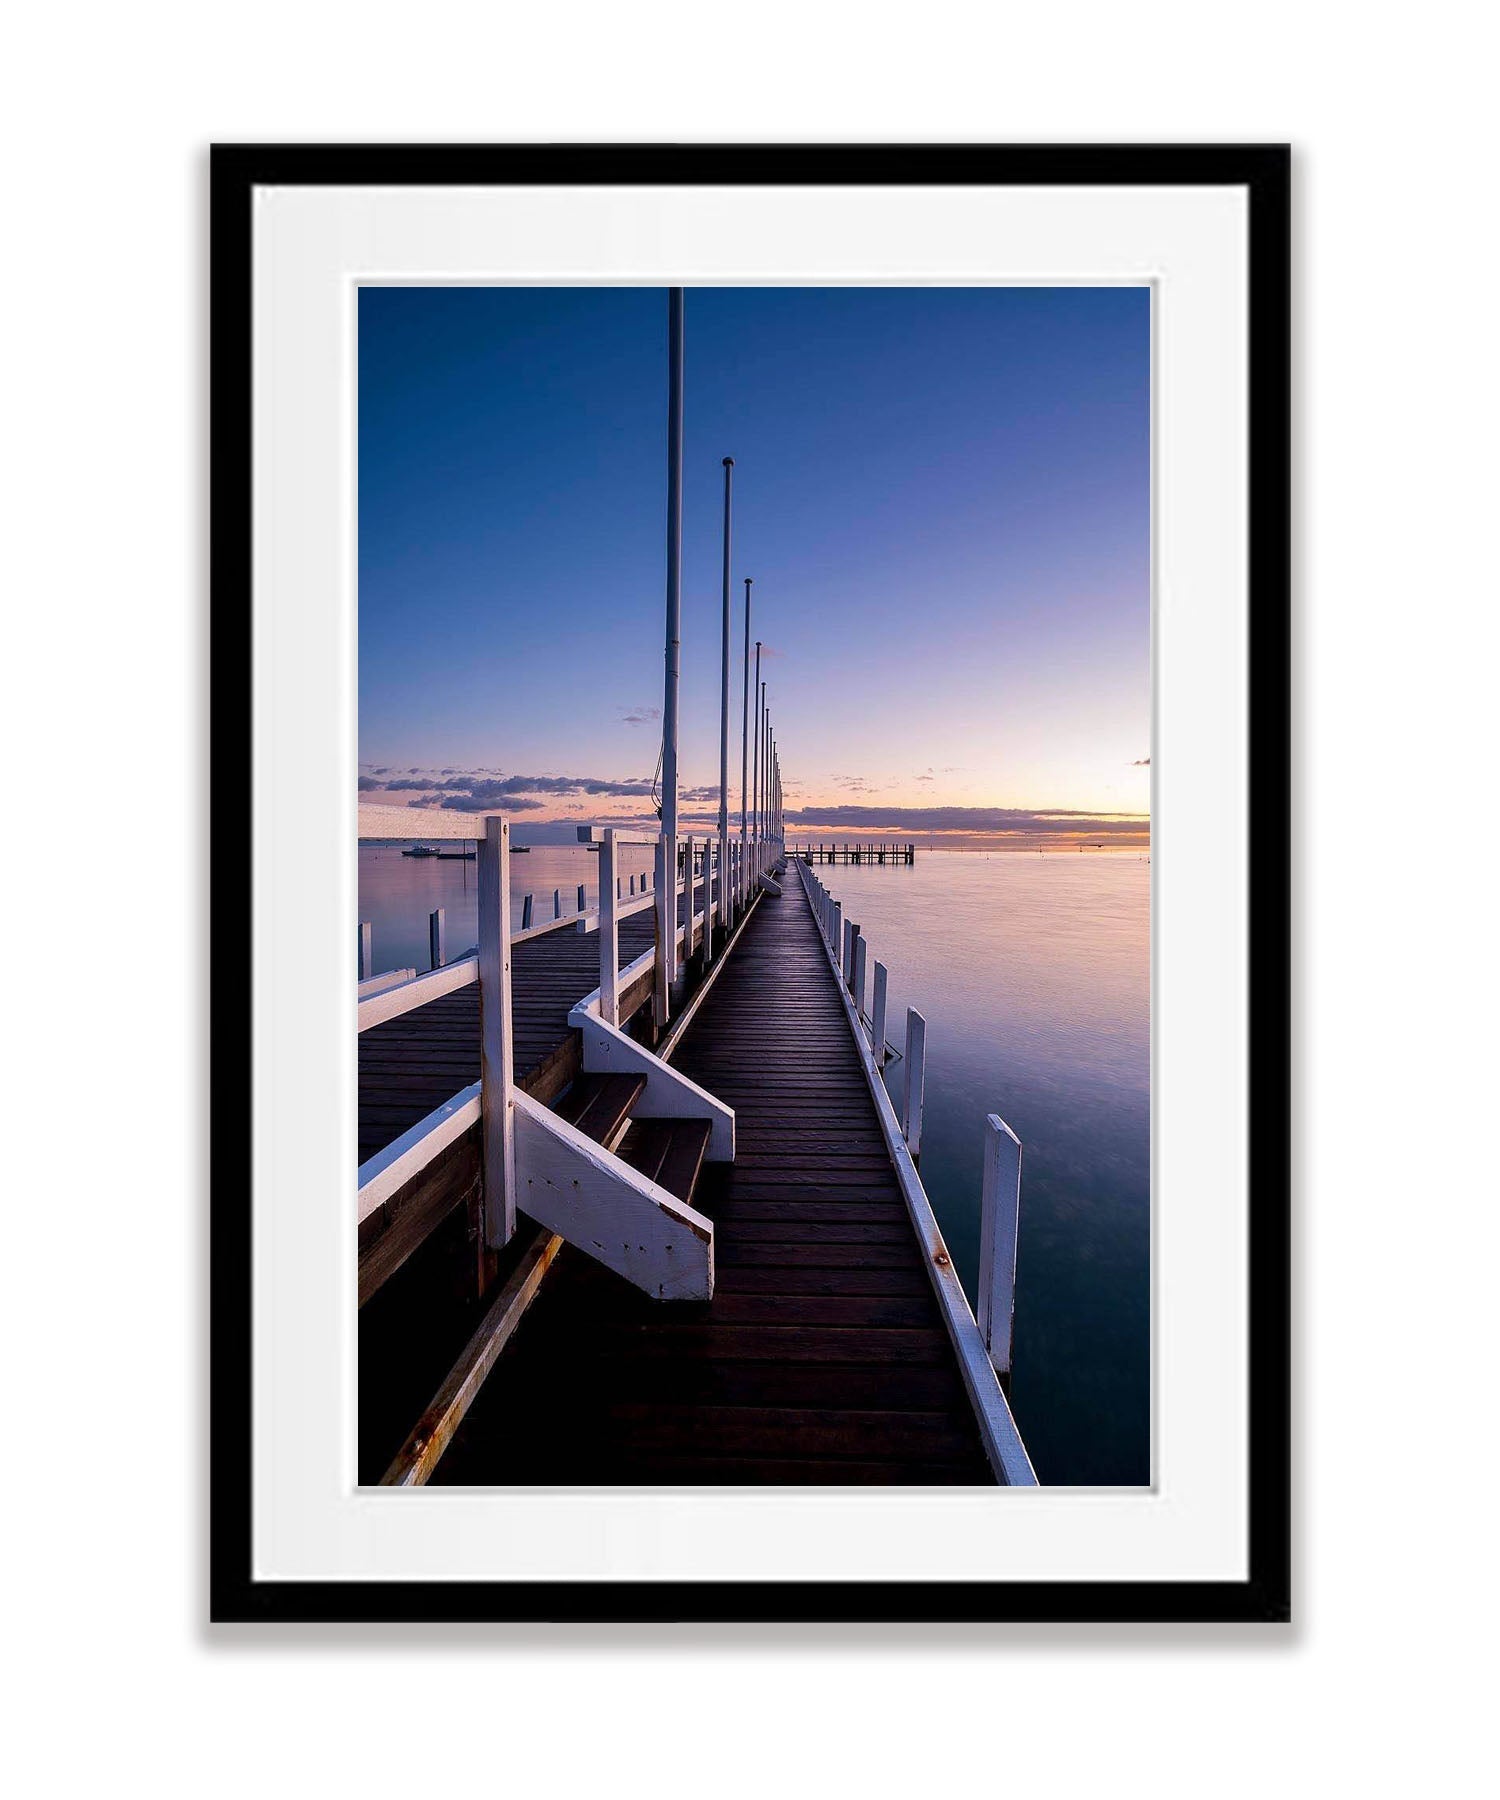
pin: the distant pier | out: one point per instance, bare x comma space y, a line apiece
904, 854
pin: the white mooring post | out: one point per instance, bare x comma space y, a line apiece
437, 923
877, 1017
496, 1111
999, 1219
366, 953
609, 933
861, 953
916, 1060
666, 925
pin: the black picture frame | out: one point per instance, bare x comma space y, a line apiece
1263, 171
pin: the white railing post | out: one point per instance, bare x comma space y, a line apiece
708, 900
688, 885
526, 913
999, 1220
916, 1059
836, 930
666, 927
853, 957
366, 952
861, 952
609, 933
583, 897
437, 923
877, 1017
496, 1073
557, 903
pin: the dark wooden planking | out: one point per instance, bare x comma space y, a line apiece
822, 1357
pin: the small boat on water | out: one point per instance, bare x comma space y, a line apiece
429, 851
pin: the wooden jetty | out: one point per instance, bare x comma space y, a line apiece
670, 1228
901, 854
720, 1265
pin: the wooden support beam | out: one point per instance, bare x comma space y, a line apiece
433, 1432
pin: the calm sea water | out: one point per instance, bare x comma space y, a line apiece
397, 893
1033, 973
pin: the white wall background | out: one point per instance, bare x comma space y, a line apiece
106, 111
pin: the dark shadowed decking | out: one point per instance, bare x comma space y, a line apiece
412, 1064
822, 1356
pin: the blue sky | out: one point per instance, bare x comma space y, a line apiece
942, 494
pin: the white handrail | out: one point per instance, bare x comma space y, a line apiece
997, 1425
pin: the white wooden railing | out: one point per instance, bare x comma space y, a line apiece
983, 1345
726, 872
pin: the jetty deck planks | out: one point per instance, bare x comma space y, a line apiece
413, 1063
822, 1357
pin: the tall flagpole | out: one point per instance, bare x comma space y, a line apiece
745, 764
755, 787
764, 766
666, 893
723, 725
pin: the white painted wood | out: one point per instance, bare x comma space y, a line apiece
999, 1223
877, 1019
624, 909
916, 1074
586, 1194
609, 932
557, 903
836, 933
666, 929
708, 902
997, 1426
583, 898
437, 937
689, 911
388, 1171
380, 984
366, 952
669, 1094
861, 957
416, 990
526, 919
495, 1038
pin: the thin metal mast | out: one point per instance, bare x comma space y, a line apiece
666, 898
745, 761
724, 690
755, 788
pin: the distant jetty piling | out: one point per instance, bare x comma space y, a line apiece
903, 855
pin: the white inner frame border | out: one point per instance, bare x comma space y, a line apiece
313, 248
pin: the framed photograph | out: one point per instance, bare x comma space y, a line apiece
760, 1088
